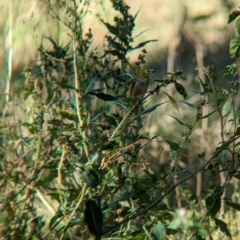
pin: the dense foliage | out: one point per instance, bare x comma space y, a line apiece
73, 164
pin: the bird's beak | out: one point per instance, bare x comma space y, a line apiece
152, 70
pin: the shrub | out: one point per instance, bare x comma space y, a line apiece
74, 162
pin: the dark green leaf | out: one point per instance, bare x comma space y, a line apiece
172, 101
235, 206
134, 18
108, 145
180, 122
204, 86
98, 115
124, 196
223, 155
187, 103
179, 87
233, 15
155, 136
93, 217
178, 73
90, 178
103, 96
206, 116
44, 182
193, 198
174, 146
150, 109
110, 28
89, 84
159, 231
111, 120
114, 53
54, 219
142, 44
223, 226
237, 175
171, 231
68, 115
234, 47
65, 85
237, 25
237, 132
213, 205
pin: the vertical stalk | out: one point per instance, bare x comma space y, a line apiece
78, 95
10, 51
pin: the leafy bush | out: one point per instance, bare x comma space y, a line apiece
72, 167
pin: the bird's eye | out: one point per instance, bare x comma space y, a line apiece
147, 71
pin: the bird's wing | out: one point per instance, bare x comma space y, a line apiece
133, 84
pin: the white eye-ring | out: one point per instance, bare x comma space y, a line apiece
147, 71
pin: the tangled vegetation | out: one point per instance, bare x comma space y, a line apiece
73, 163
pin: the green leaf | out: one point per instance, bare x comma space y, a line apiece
181, 90
142, 44
206, 116
134, 18
90, 178
223, 155
114, 53
237, 132
90, 83
111, 120
31, 127
237, 25
213, 205
226, 108
93, 217
235, 206
180, 122
98, 115
233, 15
174, 146
138, 237
150, 109
225, 72
178, 73
172, 101
223, 226
103, 96
234, 47
108, 145
110, 28
68, 115
119, 104
155, 136
159, 231
54, 219
124, 196
193, 198
171, 231
237, 175
187, 103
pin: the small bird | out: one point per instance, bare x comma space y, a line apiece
140, 83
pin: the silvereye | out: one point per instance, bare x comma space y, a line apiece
140, 83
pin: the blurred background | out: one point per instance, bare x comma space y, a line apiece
185, 30
188, 34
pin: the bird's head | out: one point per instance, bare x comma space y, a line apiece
145, 72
